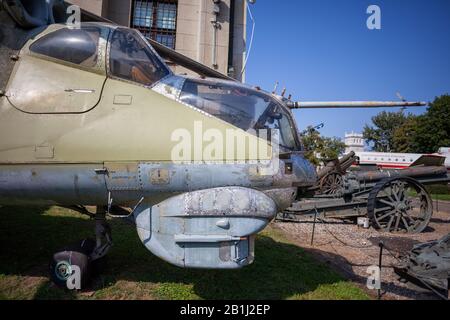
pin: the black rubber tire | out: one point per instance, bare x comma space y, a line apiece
85, 246
97, 266
77, 254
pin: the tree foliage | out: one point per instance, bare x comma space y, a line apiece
320, 149
403, 141
433, 128
397, 132
381, 135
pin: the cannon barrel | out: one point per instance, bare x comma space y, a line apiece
347, 160
344, 163
352, 104
417, 172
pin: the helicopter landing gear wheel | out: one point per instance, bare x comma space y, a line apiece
332, 184
73, 267
399, 205
75, 263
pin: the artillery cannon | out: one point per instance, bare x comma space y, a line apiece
395, 200
331, 177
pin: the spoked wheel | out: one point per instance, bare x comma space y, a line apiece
332, 184
400, 205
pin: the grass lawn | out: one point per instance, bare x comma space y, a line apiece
29, 236
443, 197
439, 192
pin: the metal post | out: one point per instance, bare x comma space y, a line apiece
380, 260
437, 203
314, 227
448, 289
214, 46
216, 27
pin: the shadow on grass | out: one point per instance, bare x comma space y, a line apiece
29, 237
396, 246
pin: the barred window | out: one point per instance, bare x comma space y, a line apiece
156, 19
166, 39
143, 14
167, 16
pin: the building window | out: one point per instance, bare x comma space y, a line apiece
156, 19
166, 16
167, 40
143, 14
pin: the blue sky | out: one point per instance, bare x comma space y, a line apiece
323, 50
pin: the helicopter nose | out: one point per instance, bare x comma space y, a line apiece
295, 172
304, 172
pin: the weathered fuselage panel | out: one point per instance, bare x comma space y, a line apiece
76, 135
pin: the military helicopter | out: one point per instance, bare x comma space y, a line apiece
90, 118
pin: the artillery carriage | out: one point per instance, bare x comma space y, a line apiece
330, 179
393, 200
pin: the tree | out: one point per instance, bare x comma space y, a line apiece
433, 128
381, 135
332, 148
396, 132
405, 135
319, 149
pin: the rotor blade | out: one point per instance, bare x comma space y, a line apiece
186, 62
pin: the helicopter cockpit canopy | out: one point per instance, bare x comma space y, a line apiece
242, 106
127, 55
131, 58
76, 46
